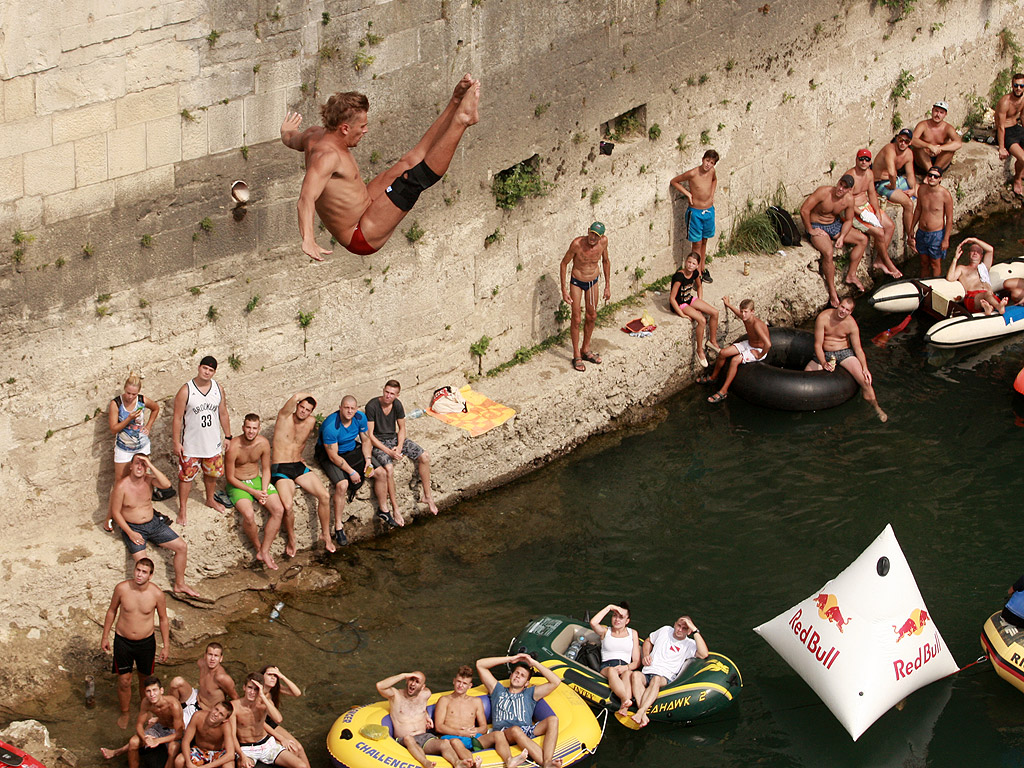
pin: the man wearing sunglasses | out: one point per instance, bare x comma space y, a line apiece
933, 220
1009, 133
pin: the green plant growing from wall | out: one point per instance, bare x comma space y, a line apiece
596, 195
212, 314
478, 349
325, 18
87, 251
305, 318
22, 238
681, 143
901, 88
563, 313
705, 137
520, 181
195, 290
494, 237
898, 9
361, 61
59, 262
414, 232
235, 362
244, 149
976, 110
146, 241
540, 109
213, 37
654, 132
252, 304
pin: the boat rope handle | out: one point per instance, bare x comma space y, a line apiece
978, 660
603, 717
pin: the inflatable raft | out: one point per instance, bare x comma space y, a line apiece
12, 757
1004, 646
941, 299
780, 381
362, 737
703, 688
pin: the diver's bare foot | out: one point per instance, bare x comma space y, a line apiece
214, 504
328, 544
461, 87
468, 111
122, 721
516, 761
290, 549
185, 589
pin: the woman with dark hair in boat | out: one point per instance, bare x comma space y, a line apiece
620, 651
272, 683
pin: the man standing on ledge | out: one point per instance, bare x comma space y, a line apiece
363, 216
1009, 133
200, 413
584, 254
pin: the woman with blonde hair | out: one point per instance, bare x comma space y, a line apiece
130, 427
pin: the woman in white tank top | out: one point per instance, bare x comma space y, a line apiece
620, 651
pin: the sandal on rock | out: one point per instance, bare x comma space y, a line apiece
386, 519
590, 357
109, 526
705, 379
577, 364
340, 538
718, 397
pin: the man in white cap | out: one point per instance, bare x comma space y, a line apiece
587, 254
935, 140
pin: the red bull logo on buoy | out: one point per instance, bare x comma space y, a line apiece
912, 626
828, 609
927, 652
811, 640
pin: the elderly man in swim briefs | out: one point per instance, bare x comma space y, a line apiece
584, 254
871, 219
412, 725
975, 278
512, 707
362, 217
828, 215
663, 655
460, 718
837, 342
933, 222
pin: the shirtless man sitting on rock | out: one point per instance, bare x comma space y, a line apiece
828, 215
935, 140
974, 277
871, 219
258, 741
295, 423
215, 684
837, 342
247, 466
412, 725
363, 216
460, 718
159, 723
894, 157
131, 508
207, 740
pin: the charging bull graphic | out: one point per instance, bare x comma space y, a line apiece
912, 626
828, 609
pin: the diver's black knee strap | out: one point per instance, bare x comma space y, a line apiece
405, 190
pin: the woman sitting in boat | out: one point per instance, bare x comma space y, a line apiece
512, 707
620, 651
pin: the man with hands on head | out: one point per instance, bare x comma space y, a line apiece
256, 740
663, 656
512, 707
413, 727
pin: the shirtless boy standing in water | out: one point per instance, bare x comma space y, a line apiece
754, 348
362, 216
584, 254
837, 342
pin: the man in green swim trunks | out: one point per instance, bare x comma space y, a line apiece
247, 467
585, 254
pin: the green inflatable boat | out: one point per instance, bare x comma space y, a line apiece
703, 688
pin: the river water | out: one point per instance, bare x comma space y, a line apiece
730, 513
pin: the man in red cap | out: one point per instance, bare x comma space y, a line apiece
869, 217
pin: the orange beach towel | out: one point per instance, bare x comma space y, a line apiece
483, 415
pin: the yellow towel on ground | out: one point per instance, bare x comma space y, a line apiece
483, 413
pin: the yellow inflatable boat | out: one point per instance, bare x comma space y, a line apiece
1004, 646
362, 737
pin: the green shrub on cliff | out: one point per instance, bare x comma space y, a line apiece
521, 180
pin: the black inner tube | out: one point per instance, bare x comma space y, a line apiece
780, 381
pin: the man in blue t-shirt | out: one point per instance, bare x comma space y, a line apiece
343, 450
1013, 611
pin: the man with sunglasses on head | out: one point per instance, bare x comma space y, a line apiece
1009, 132
933, 220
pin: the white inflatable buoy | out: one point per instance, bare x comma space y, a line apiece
865, 640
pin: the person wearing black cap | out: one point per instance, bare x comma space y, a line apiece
828, 215
587, 254
200, 413
935, 140
894, 157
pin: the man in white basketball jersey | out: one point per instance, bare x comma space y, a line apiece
200, 413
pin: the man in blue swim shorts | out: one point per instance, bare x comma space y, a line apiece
411, 724
700, 216
933, 220
460, 718
828, 215
588, 255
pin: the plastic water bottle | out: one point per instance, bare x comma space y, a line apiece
416, 414
276, 611
574, 648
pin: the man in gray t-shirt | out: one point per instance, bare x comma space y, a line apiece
385, 418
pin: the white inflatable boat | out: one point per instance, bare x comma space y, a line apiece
942, 299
